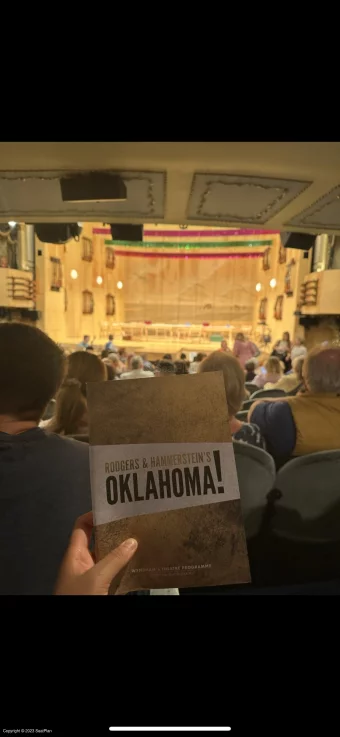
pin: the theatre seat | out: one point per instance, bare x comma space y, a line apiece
309, 508
256, 477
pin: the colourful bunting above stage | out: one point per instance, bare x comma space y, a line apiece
162, 254
187, 246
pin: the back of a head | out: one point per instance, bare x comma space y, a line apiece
114, 358
111, 337
321, 370
181, 368
166, 368
31, 370
233, 376
136, 363
167, 357
297, 365
183, 357
273, 366
241, 337
82, 367
250, 365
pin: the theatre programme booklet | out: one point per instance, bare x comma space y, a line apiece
163, 471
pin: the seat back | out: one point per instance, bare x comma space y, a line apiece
256, 477
250, 387
246, 404
309, 508
267, 393
242, 415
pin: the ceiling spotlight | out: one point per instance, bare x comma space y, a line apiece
11, 224
258, 286
74, 274
272, 283
119, 285
99, 280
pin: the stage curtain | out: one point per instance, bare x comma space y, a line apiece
180, 291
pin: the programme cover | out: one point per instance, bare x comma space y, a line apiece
163, 471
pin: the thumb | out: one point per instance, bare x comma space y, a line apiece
106, 570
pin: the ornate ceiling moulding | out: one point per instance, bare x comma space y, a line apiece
323, 215
233, 198
28, 195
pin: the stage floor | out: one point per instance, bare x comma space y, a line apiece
156, 348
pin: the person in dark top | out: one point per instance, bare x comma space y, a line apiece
44, 478
250, 370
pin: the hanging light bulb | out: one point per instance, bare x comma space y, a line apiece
74, 274
272, 283
119, 285
258, 286
99, 280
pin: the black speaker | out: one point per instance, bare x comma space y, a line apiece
57, 232
126, 232
301, 241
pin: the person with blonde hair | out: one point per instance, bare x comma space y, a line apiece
292, 381
299, 349
233, 376
308, 422
269, 374
243, 349
70, 417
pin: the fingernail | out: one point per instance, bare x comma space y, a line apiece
129, 544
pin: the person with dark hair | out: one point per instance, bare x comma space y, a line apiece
181, 368
90, 348
250, 367
167, 357
85, 342
282, 350
243, 349
70, 417
165, 368
110, 345
104, 353
44, 479
183, 357
194, 366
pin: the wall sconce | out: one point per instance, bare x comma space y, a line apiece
119, 285
272, 283
74, 274
258, 287
99, 280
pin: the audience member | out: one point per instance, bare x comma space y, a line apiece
70, 416
224, 347
116, 363
293, 380
137, 371
194, 366
299, 349
270, 373
183, 357
250, 370
110, 345
233, 375
147, 365
243, 349
104, 353
85, 342
122, 354
309, 422
165, 368
282, 350
167, 357
45, 479
89, 348
181, 367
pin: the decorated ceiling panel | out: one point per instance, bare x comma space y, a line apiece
29, 195
236, 198
324, 214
